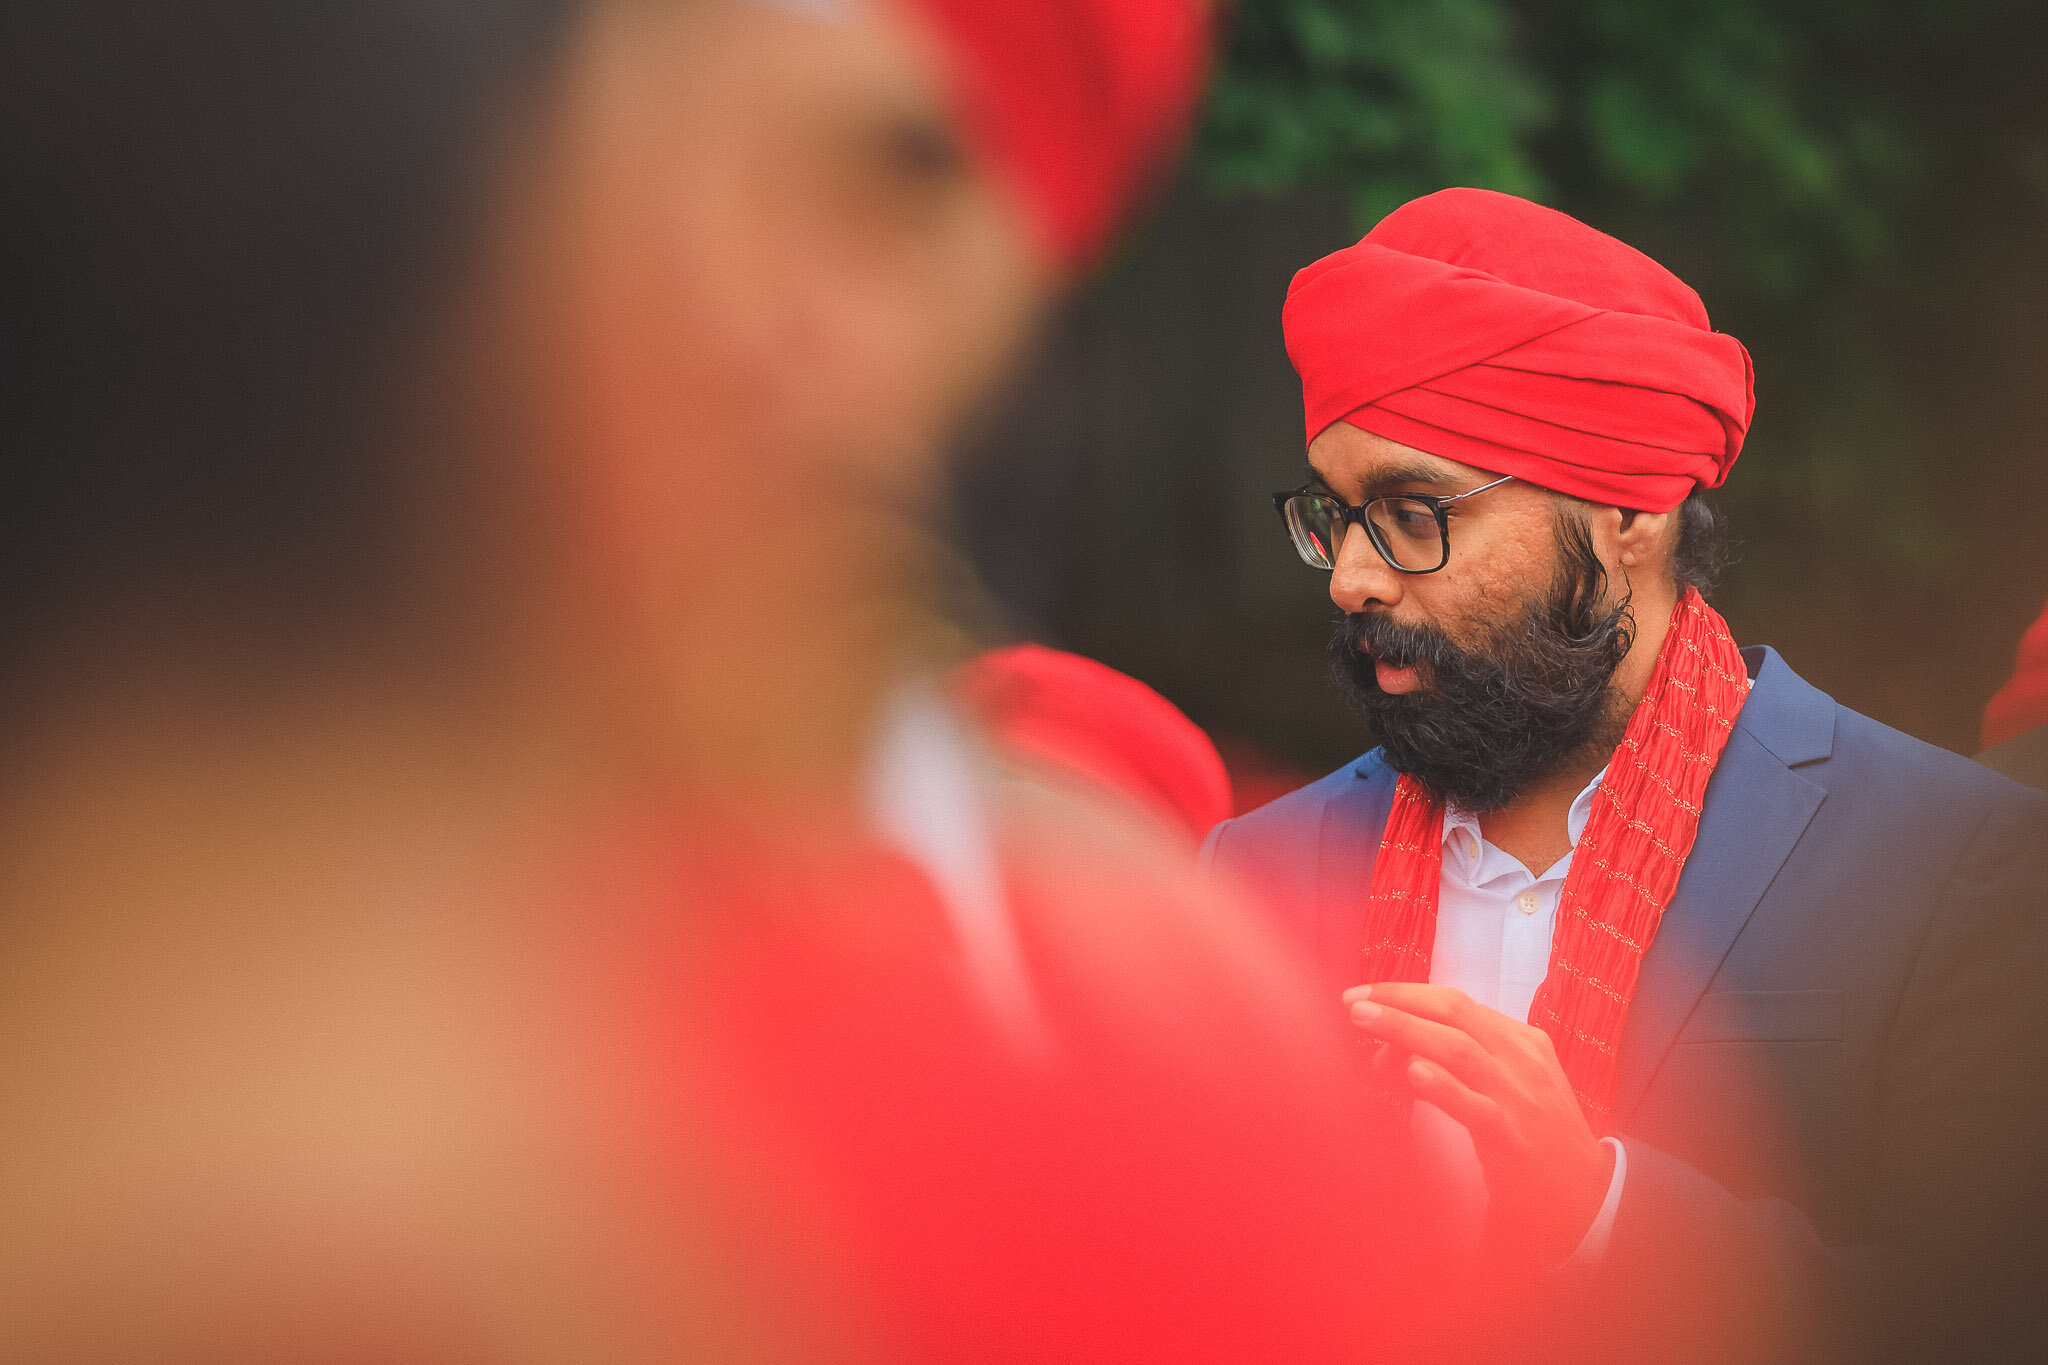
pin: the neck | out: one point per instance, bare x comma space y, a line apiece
1535, 826
788, 712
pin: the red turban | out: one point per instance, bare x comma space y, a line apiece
1075, 102
1492, 331
1104, 726
2022, 703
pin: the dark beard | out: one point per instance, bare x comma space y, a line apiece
1487, 721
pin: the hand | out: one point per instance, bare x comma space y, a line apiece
1546, 1174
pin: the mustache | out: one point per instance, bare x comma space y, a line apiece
1399, 643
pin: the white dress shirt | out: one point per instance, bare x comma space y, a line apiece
924, 798
1494, 923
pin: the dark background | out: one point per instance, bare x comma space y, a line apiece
1859, 191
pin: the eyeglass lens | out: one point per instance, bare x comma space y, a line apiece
1315, 529
1403, 530
1406, 531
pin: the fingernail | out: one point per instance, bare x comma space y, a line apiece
1362, 992
1418, 1072
1364, 1011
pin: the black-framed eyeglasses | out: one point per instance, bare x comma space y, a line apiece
1411, 531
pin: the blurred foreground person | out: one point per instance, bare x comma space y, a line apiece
1116, 735
1729, 994
2016, 719
989, 1071
446, 919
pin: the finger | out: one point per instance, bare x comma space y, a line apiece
1388, 1066
1478, 1113
1450, 1048
1444, 1005
1385, 1064
1526, 1054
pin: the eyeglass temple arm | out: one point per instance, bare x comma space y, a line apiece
1457, 497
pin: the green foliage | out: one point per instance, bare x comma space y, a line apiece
1833, 177
1381, 101
1785, 123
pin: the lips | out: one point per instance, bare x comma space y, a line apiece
1402, 658
1395, 679
1397, 671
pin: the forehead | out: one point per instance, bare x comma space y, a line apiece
763, 69
1352, 460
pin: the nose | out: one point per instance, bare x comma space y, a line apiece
1361, 578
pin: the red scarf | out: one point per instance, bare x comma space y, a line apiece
1624, 869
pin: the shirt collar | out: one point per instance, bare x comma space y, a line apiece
1463, 840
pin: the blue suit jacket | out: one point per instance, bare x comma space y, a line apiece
1832, 1068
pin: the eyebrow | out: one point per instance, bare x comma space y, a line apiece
1391, 477
1394, 476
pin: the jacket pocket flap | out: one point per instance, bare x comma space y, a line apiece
1764, 1016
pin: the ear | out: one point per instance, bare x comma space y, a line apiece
1627, 540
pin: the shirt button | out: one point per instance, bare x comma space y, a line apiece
1526, 902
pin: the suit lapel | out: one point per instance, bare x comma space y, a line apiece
1755, 810
1353, 822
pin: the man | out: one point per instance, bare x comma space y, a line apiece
1732, 993
422, 408
1000, 1078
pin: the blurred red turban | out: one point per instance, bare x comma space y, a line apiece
2022, 703
1106, 727
1076, 102
1501, 334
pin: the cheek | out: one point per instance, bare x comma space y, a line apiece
904, 336
650, 402
1451, 601
1490, 577
994, 286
